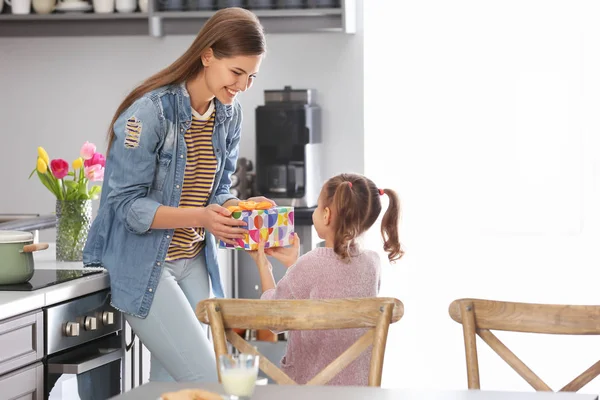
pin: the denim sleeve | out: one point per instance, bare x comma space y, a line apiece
133, 156
222, 194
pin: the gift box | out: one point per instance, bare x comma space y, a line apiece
275, 225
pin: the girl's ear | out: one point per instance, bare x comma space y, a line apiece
327, 216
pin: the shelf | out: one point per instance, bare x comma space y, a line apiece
300, 13
162, 23
74, 24
274, 21
72, 16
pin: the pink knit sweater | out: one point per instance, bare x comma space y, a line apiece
320, 274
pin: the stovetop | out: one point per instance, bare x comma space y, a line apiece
47, 277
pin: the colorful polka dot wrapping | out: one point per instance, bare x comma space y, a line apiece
275, 225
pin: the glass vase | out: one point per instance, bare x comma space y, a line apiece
73, 221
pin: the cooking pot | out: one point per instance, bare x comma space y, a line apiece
16, 256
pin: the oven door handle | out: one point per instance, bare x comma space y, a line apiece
108, 356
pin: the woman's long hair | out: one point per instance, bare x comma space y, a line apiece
230, 32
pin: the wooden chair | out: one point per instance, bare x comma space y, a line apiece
481, 316
224, 315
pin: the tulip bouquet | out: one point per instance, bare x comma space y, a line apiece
73, 196
71, 185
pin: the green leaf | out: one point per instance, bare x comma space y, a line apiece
71, 185
56, 189
32, 172
71, 193
59, 187
82, 191
94, 192
47, 182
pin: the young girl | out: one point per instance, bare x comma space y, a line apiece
173, 146
348, 205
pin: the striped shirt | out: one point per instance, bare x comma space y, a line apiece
198, 180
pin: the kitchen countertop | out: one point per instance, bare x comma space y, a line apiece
29, 224
15, 303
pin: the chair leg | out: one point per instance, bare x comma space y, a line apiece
469, 328
218, 332
381, 332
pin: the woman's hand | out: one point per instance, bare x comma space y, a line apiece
217, 220
286, 255
260, 257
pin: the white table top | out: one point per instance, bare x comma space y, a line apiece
153, 390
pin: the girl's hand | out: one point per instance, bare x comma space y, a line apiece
258, 199
265, 269
286, 255
260, 257
217, 220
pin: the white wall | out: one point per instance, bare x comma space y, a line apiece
483, 116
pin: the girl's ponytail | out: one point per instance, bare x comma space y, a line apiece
349, 215
389, 227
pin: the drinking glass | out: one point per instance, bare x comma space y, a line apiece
238, 375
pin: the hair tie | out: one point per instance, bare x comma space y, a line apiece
381, 192
350, 184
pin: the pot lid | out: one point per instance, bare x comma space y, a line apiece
15, 236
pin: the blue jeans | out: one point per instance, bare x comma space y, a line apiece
178, 342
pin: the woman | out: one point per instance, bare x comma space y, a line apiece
173, 145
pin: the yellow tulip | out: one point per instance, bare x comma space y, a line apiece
42, 167
78, 163
43, 155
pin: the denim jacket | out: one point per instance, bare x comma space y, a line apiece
145, 169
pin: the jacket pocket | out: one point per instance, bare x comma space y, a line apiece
162, 167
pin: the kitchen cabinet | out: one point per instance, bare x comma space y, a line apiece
27, 353
21, 341
159, 23
24, 384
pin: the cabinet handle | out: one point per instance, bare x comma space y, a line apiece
108, 356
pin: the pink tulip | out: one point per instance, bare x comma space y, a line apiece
87, 150
97, 159
59, 167
94, 173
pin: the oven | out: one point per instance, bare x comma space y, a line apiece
84, 349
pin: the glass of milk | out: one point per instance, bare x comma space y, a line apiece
238, 374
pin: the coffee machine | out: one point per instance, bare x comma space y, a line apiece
288, 147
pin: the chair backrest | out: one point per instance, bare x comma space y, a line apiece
225, 315
481, 316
